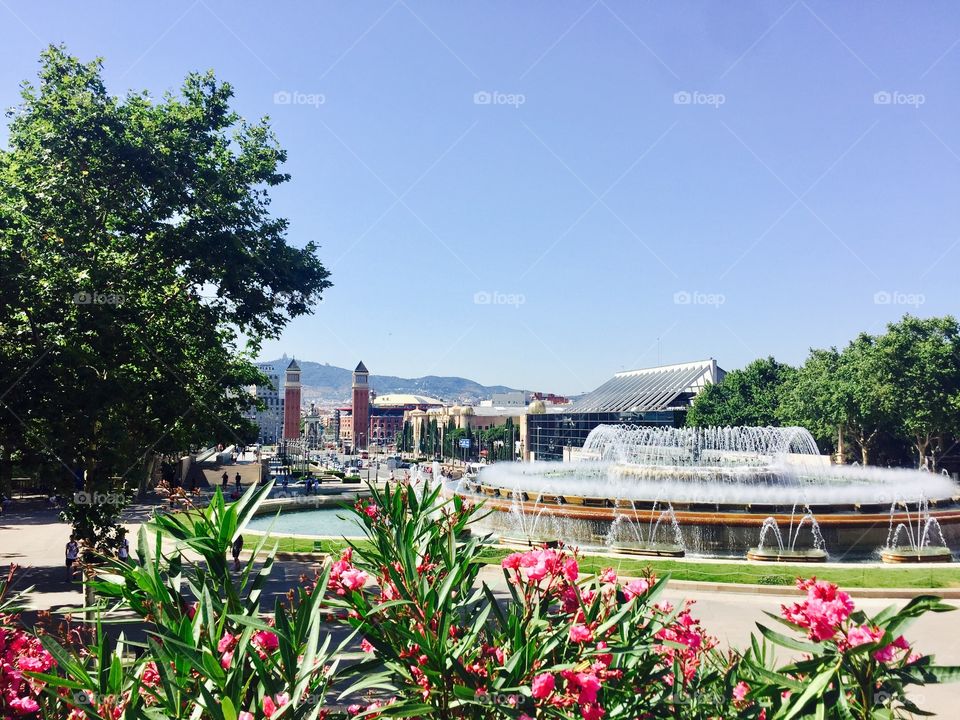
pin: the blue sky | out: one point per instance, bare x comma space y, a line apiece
541, 194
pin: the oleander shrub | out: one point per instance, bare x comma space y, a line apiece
423, 633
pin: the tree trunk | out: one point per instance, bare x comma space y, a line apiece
865, 454
921, 445
146, 479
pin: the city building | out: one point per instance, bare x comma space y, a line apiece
376, 419
360, 408
457, 417
291, 402
514, 398
650, 396
268, 420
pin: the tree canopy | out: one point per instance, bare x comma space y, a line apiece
751, 396
902, 386
140, 269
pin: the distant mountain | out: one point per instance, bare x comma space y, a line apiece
331, 384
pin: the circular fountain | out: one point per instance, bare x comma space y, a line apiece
710, 491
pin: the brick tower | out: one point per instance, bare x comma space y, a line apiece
361, 407
291, 402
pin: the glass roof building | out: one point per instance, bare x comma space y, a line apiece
650, 396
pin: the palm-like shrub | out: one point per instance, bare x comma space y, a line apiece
208, 650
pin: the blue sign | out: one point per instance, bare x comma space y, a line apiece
465, 442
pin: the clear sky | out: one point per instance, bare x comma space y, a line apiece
540, 194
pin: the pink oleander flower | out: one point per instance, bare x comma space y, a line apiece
861, 635
226, 659
544, 563
24, 705
353, 579
372, 511
512, 561
227, 642
271, 705
542, 685
366, 646
823, 611
150, 676
265, 642
244, 715
580, 634
888, 652
571, 571
635, 588
740, 691
589, 685
591, 712
608, 575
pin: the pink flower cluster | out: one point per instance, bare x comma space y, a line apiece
576, 688
344, 577
692, 637
19, 653
540, 564
822, 612
271, 706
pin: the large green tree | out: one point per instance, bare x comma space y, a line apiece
751, 396
812, 400
140, 269
919, 361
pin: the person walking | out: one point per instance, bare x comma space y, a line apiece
237, 480
225, 478
72, 553
124, 552
237, 547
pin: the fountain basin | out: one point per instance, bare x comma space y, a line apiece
531, 542
787, 556
906, 554
720, 488
645, 549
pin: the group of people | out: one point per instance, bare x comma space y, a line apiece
72, 552
225, 478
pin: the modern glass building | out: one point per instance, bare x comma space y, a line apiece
649, 396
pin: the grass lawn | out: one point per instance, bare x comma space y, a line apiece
852, 576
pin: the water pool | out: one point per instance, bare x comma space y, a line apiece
335, 522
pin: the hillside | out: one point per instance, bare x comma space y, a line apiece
326, 383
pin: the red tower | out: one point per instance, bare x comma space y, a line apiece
361, 407
291, 402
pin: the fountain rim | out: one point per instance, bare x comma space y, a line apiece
733, 514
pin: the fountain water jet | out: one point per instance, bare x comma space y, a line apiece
788, 551
918, 538
626, 534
